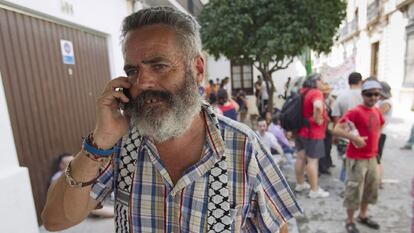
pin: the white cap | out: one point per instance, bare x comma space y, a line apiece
371, 84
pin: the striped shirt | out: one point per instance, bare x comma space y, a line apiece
147, 201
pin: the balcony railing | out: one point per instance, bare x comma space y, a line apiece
373, 11
344, 30
403, 4
348, 29
353, 26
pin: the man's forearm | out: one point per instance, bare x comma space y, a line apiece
65, 205
278, 148
339, 131
318, 112
317, 116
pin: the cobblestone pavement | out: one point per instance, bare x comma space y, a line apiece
394, 208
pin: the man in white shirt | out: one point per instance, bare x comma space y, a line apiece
346, 100
268, 139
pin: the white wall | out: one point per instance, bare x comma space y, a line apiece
391, 61
17, 209
221, 69
104, 16
217, 69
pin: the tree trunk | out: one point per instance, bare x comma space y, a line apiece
267, 77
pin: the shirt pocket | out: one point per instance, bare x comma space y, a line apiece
237, 217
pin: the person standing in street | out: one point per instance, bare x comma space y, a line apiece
385, 106
174, 164
325, 163
227, 105
264, 97
309, 139
346, 100
410, 142
258, 93
362, 126
412, 195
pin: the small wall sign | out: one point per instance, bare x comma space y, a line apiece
68, 55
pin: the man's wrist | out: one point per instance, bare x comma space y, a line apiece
89, 145
100, 142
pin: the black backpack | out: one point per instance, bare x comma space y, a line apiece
291, 115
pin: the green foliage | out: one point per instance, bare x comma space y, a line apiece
265, 31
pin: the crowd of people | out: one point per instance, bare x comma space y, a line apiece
355, 120
178, 164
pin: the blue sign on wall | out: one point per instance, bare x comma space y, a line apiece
68, 55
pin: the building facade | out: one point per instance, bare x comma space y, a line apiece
376, 39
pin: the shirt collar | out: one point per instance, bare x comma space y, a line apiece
213, 134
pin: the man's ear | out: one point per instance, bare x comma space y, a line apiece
199, 68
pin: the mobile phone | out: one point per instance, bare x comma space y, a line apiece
123, 105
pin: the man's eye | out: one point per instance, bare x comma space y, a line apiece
159, 67
131, 72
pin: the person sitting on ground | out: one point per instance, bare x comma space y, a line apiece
276, 130
268, 139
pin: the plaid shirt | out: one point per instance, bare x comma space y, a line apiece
260, 198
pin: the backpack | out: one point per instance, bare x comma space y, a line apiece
291, 115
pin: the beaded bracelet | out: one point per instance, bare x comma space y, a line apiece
96, 158
72, 182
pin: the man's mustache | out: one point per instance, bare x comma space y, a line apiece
149, 96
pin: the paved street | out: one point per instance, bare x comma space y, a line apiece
393, 210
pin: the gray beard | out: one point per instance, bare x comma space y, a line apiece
160, 124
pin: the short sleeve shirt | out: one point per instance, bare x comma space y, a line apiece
346, 100
368, 122
147, 201
314, 131
269, 140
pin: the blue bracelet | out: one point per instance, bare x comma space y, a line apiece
95, 151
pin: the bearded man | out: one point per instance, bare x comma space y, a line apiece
175, 165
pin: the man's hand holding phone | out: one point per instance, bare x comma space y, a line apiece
111, 123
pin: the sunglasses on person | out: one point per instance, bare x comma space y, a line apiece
371, 94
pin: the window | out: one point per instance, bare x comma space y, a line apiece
374, 59
409, 58
242, 77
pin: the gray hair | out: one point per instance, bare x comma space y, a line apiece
186, 27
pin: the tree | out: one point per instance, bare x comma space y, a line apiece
269, 33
